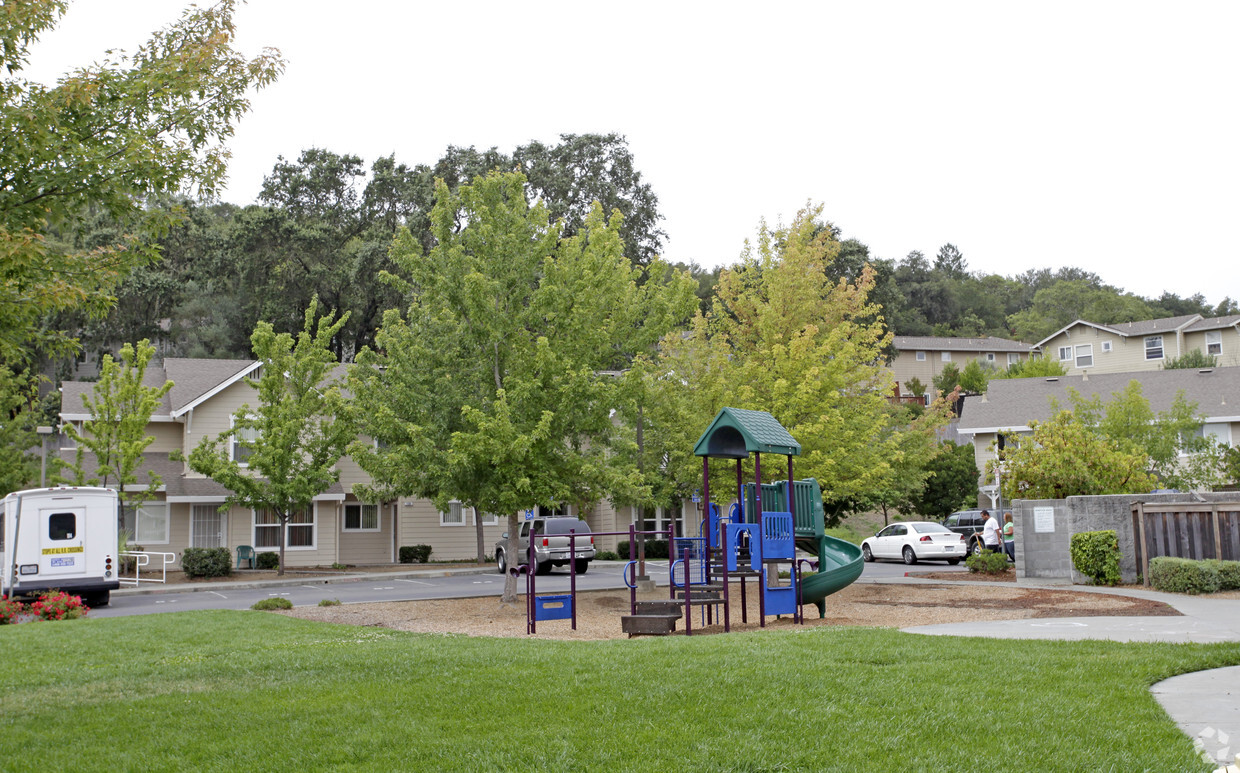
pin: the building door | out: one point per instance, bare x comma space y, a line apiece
207, 526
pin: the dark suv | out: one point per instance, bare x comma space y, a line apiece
551, 538
970, 524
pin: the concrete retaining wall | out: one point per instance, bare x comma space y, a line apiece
1044, 528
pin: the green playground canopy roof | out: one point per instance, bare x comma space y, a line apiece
735, 433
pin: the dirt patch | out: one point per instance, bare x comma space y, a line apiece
861, 604
1008, 576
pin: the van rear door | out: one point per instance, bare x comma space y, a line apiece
62, 541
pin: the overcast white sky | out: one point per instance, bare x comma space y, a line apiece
1101, 135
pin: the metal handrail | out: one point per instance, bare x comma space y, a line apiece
143, 558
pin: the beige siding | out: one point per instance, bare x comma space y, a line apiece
1126, 355
1229, 340
905, 366
363, 548
418, 524
215, 416
169, 436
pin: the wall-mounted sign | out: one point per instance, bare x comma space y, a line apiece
1044, 520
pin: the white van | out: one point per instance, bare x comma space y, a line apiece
64, 538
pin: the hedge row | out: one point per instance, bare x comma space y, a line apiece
656, 548
415, 554
1184, 575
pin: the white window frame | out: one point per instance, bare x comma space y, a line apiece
1013, 359
945, 356
235, 441
1080, 356
488, 519
1150, 349
990, 356
1106, 347
361, 508
1215, 346
456, 515
921, 356
146, 516
1065, 354
313, 524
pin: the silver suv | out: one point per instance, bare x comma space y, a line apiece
551, 547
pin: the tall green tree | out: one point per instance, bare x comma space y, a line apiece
951, 481
496, 388
781, 337
1067, 457
120, 407
293, 439
106, 138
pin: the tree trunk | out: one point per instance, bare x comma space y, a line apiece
480, 537
514, 558
284, 519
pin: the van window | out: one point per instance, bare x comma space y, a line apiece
61, 526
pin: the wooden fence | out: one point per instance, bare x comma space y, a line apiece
1196, 531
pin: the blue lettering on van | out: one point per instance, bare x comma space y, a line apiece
63, 561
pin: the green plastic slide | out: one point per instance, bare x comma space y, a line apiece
839, 565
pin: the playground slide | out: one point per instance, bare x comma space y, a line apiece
839, 565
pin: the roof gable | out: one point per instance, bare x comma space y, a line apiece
735, 433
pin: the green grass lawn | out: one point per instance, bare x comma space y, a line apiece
257, 691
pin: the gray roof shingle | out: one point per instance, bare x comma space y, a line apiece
1013, 403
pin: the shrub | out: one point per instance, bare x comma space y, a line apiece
410, 554
275, 602
337, 565
607, 555
655, 548
1228, 575
206, 562
1183, 575
10, 610
268, 559
329, 603
58, 605
987, 562
1095, 554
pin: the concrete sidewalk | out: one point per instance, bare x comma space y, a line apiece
1205, 704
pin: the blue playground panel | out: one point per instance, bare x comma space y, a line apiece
556, 607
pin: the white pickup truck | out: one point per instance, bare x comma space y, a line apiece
63, 538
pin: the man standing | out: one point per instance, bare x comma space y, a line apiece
990, 532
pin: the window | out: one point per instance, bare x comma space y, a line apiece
240, 446
1153, 348
921, 356
455, 515
361, 517
1084, 355
1065, 353
300, 532
1106, 347
301, 529
490, 519
147, 523
946, 356
1013, 359
1214, 342
266, 530
61, 526
990, 356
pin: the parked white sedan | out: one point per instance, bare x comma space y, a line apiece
914, 541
